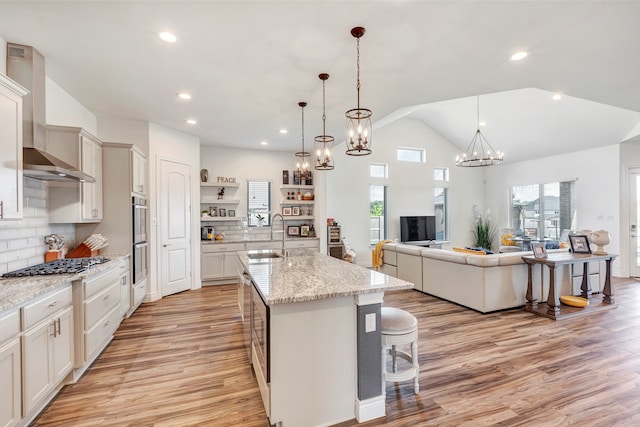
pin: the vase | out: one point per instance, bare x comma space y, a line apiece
600, 238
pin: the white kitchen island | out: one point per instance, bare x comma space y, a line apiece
320, 333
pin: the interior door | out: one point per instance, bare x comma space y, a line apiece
634, 222
175, 227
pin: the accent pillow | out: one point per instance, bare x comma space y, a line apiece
469, 251
480, 249
506, 240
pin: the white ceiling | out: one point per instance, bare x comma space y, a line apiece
249, 63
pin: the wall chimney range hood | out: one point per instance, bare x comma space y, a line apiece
25, 65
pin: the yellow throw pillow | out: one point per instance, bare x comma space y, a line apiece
574, 301
469, 251
506, 240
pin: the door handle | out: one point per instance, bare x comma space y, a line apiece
166, 244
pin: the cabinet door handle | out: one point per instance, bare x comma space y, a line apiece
55, 329
59, 327
107, 323
53, 304
1, 209
106, 297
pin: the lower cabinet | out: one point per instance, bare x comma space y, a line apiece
10, 370
47, 347
302, 243
220, 261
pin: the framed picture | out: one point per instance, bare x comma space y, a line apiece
293, 230
286, 211
539, 250
231, 212
295, 210
579, 244
222, 212
213, 211
304, 231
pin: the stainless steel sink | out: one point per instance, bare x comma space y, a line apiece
264, 255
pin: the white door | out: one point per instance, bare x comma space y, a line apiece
634, 222
175, 227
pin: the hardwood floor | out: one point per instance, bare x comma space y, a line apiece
181, 362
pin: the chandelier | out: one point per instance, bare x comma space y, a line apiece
324, 142
479, 152
302, 157
358, 119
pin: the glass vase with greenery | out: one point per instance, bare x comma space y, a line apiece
484, 232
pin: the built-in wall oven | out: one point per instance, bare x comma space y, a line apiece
140, 244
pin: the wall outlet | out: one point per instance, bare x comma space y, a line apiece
370, 322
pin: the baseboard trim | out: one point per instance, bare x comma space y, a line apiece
370, 409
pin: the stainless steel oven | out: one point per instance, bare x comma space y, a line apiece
260, 333
140, 257
139, 219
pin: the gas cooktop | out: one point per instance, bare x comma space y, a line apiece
59, 266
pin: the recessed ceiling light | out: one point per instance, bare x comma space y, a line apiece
184, 95
264, 143
283, 131
191, 122
556, 97
519, 55
168, 37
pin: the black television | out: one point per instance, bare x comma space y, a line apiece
415, 229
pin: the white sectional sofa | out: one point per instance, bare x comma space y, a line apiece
481, 282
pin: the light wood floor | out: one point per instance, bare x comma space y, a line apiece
181, 362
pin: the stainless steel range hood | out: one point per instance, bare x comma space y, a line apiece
25, 65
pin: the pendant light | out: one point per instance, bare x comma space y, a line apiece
302, 157
358, 119
324, 142
479, 152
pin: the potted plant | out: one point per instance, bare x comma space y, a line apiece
204, 213
260, 219
484, 232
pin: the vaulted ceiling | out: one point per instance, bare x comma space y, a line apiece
248, 64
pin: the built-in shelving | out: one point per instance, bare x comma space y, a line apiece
296, 202
210, 201
219, 218
219, 184
295, 187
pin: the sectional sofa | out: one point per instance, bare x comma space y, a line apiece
483, 283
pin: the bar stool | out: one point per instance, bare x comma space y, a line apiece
399, 327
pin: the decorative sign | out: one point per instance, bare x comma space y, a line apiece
226, 180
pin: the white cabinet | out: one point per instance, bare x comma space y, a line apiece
11, 154
302, 243
47, 346
138, 172
71, 202
10, 370
126, 293
220, 261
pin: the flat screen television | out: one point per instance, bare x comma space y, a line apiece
417, 228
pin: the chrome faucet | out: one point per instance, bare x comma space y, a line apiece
272, 222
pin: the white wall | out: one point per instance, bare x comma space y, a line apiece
597, 175
3, 57
64, 110
165, 143
409, 186
123, 131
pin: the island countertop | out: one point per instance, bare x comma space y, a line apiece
307, 275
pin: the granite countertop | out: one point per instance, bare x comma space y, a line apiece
307, 275
14, 291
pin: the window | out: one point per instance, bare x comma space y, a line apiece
378, 170
543, 210
441, 174
441, 211
378, 211
407, 154
259, 202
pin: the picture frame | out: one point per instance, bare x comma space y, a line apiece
213, 211
231, 212
539, 249
286, 211
579, 244
295, 210
293, 230
304, 231
222, 212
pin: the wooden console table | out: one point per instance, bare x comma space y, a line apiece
552, 308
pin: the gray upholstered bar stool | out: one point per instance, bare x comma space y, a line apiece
399, 327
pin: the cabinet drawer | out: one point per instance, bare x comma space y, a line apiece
95, 284
39, 310
9, 326
301, 244
100, 304
100, 333
263, 245
139, 291
226, 247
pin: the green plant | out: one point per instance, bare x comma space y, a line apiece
260, 218
484, 232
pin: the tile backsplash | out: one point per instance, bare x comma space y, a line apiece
22, 241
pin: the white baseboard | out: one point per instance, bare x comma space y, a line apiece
370, 409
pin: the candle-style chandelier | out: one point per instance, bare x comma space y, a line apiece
479, 152
302, 157
358, 119
324, 142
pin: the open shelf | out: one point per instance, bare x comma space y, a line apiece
295, 187
296, 202
212, 201
219, 184
219, 218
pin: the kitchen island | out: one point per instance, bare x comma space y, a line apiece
315, 336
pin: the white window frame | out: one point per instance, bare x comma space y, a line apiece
422, 152
386, 170
445, 174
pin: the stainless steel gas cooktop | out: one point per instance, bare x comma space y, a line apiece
59, 266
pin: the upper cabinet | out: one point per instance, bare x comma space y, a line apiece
11, 95
71, 202
139, 171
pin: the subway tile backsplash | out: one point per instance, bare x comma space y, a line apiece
22, 241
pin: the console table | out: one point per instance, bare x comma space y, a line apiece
552, 308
